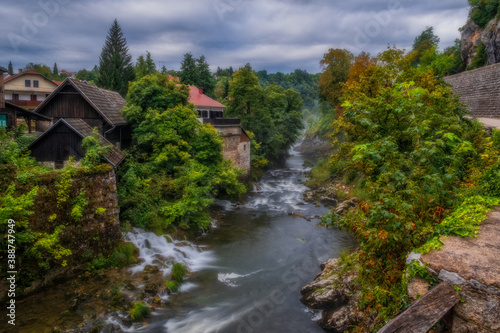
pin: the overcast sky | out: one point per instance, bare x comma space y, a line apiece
276, 35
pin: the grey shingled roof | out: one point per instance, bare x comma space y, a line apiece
108, 103
80, 127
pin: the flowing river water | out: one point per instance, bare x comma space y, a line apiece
247, 272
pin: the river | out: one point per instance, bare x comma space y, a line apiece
246, 273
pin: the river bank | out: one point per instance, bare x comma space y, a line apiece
245, 273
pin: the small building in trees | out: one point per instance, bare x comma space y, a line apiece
28, 88
236, 140
76, 108
206, 106
64, 140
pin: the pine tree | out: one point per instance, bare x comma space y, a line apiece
206, 80
196, 72
115, 63
10, 69
144, 66
55, 71
189, 71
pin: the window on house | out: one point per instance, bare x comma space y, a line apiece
27, 83
35, 84
3, 120
15, 97
33, 97
244, 147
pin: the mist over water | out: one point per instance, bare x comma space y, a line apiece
249, 269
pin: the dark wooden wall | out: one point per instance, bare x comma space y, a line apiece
58, 145
11, 118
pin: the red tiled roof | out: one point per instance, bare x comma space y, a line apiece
199, 99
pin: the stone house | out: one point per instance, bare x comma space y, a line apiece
236, 141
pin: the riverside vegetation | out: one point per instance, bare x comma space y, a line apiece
419, 168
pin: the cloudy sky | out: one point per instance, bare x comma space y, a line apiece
276, 35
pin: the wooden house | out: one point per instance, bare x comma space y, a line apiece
97, 107
64, 139
76, 108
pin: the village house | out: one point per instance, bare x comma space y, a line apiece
236, 140
28, 88
10, 113
76, 108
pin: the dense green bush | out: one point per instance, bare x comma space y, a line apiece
406, 136
176, 168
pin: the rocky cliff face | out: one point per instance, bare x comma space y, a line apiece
490, 36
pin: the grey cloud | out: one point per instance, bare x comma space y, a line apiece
273, 34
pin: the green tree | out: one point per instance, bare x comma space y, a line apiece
94, 151
115, 63
272, 114
144, 66
177, 167
406, 135
480, 57
85, 75
424, 42
55, 71
10, 68
335, 68
196, 72
245, 92
40, 68
483, 11
205, 76
189, 72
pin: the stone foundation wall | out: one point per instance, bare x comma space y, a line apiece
236, 148
479, 89
94, 232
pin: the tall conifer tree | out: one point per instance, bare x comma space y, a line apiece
115, 62
10, 69
196, 72
55, 71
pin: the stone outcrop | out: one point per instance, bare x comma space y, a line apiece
473, 265
489, 36
336, 294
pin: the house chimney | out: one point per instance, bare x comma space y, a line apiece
201, 91
2, 94
20, 70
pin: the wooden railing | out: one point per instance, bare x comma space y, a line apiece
421, 316
25, 104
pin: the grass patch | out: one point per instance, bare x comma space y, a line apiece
139, 311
